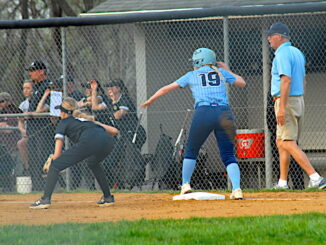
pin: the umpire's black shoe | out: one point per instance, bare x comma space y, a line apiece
43, 203
106, 201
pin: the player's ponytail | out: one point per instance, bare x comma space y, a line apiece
216, 70
79, 114
69, 105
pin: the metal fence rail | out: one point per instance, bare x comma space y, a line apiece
147, 56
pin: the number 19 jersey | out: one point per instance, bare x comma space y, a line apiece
207, 85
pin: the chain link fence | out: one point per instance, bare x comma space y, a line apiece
141, 57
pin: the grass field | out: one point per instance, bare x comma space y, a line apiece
292, 229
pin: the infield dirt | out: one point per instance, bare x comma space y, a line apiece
81, 208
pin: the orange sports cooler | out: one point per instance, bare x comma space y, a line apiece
250, 143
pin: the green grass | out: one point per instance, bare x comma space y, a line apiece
294, 229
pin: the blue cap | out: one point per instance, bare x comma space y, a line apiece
278, 28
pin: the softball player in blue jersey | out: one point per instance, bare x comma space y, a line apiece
212, 113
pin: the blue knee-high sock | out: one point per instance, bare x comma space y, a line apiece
187, 169
234, 175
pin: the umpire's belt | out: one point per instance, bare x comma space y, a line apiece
277, 97
206, 104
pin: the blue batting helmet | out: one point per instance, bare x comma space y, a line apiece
203, 56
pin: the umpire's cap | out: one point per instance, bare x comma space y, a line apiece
68, 105
36, 65
278, 28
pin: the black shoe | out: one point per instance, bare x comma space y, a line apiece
106, 201
41, 204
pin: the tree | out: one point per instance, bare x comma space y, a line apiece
14, 43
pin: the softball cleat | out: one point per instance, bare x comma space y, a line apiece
106, 201
41, 204
236, 194
185, 188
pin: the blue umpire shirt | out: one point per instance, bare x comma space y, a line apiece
288, 61
207, 86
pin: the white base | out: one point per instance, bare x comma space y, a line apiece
199, 196
24, 184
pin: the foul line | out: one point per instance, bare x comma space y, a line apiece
285, 199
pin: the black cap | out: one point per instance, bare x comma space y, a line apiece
36, 65
278, 28
113, 84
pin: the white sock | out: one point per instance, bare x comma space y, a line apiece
314, 176
282, 182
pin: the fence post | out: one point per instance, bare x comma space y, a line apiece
141, 79
266, 81
64, 73
226, 57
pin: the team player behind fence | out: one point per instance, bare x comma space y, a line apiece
93, 142
212, 113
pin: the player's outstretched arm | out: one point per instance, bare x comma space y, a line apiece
162, 91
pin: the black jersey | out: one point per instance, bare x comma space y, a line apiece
35, 124
72, 127
129, 121
38, 91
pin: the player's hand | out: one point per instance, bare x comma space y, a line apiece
93, 84
47, 92
88, 103
147, 103
47, 164
222, 65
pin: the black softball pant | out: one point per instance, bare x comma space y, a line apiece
94, 145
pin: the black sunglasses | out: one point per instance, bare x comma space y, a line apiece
1, 101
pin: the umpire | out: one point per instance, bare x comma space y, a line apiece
93, 142
39, 130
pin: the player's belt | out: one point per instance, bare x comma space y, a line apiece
206, 104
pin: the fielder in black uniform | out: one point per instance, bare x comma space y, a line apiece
93, 142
